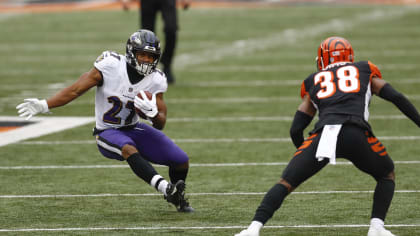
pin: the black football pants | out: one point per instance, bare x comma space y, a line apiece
148, 13
357, 145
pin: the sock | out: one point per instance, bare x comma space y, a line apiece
271, 202
255, 227
141, 167
382, 198
177, 174
376, 223
159, 183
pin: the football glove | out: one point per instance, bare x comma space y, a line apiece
148, 107
31, 107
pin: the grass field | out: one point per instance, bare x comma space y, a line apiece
238, 81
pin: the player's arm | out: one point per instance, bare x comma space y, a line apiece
83, 84
387, 92
303, 117
159, 120
33, 106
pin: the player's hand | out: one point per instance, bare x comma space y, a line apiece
125, 5
31, 107
148, 107
185, 4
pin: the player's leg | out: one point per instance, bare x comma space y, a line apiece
148, 13
158, 148
371, 157
170, 20
115, 144
301, 167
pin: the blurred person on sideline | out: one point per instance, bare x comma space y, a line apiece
340, 91
148, 15
119, 134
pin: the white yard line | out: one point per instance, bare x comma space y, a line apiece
199, 227
189, 194
191, 165
264, 118
287, 37
42, 126
200, 101
275, 83
208, 140
282, 68
46, 124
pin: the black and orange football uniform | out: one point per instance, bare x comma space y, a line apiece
341, 93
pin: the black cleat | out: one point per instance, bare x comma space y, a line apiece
184, 206
175, 194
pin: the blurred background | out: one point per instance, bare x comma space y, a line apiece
239, 66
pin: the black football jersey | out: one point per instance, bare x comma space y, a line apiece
342, 92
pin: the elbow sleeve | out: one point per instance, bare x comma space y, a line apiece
404, 105
300, 122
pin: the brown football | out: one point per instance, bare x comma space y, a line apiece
138, 111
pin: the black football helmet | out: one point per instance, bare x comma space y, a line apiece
143, 41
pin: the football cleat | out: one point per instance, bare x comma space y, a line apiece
379, 232
175, 194
184, 206
246, 232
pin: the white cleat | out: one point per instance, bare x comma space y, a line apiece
379, 232
246, 232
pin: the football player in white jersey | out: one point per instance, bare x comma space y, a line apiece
119, 134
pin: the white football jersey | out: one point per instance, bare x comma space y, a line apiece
114, 101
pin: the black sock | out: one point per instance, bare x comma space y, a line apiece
382, 198
177, 174
271, 202
141, 167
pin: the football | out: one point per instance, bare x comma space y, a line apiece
138, 111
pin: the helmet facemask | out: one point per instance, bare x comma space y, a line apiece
144, 67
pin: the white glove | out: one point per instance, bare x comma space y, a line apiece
148, 107
31, 107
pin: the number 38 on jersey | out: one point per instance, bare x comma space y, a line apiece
347, 81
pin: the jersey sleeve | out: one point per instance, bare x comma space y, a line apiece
159, 85
107, 61
305, 86
375, 72
303, 91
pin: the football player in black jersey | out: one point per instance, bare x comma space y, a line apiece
340, 91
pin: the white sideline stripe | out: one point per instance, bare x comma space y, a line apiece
230, 83
266, 118
286, 37
210, 140
189, 194
191, 165
222, 100
199, 227
282, 68
42, 126
265, 83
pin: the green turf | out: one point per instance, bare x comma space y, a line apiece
41, 53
